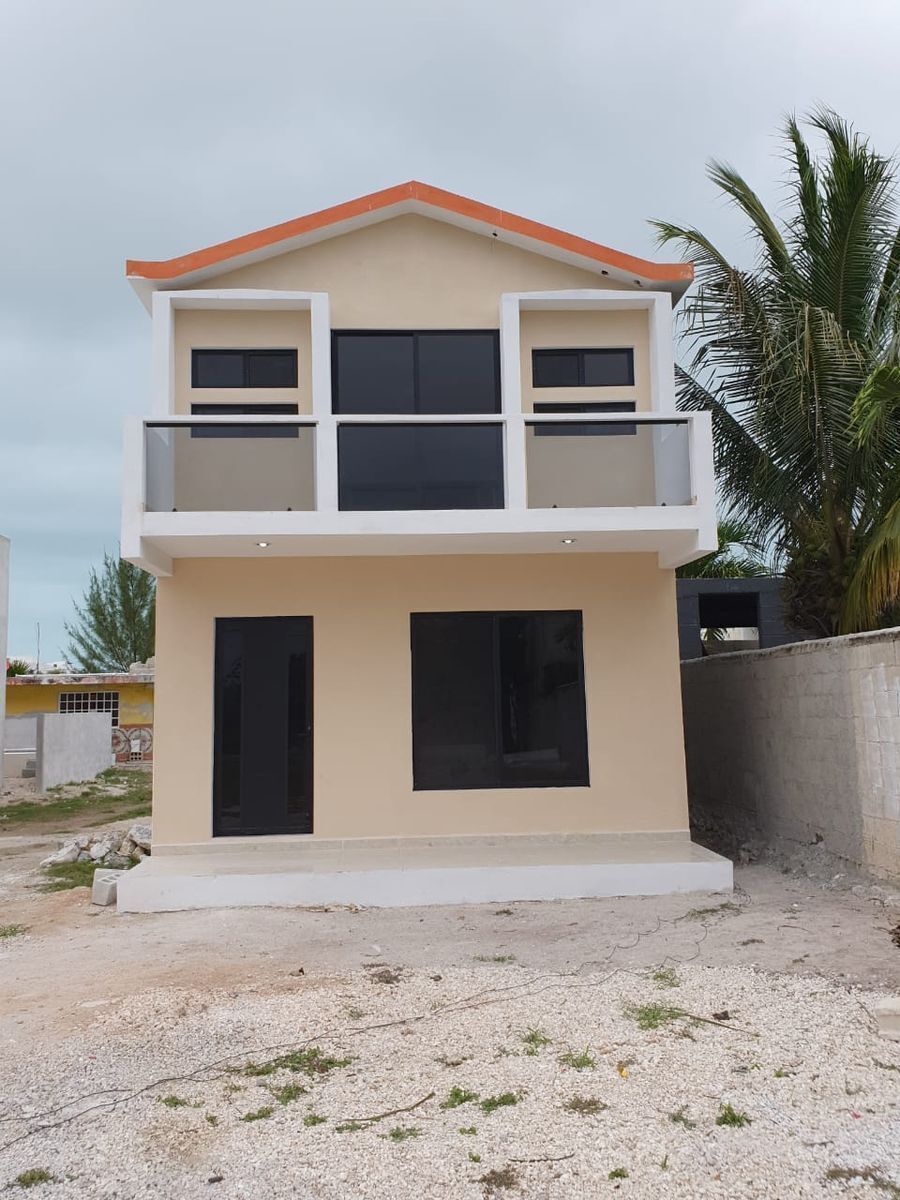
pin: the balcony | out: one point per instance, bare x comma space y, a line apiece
353, 485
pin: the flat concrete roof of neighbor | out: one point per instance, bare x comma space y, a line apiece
100, 679
415, 871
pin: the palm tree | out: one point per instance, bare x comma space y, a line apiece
796, 356
739, 555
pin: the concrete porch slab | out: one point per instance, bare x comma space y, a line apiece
398, 873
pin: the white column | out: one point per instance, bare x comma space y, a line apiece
511, 389
326, 429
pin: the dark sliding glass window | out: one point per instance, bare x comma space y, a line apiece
576, 429
387, 467
244, 368
582, 368
498, 700
244, 431
447, 371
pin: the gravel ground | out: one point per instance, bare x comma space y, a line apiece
161, 1082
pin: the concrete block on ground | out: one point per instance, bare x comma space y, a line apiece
887, 1014
106, 886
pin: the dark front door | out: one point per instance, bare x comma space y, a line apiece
262, 774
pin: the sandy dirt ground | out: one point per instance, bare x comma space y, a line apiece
141, 1027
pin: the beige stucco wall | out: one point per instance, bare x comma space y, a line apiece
219, 329
411, 272
363, 746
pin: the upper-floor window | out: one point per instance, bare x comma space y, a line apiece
582, 368
416, 371
243, 368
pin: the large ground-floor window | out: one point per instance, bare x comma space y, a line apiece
498, 700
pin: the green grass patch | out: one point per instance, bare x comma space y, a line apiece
585, 1106
175, 1102
211, 1119
653, 1016
131, 799
494, 958
311, 1062
581, 1060
32, 1177
289, 1093
457, 1096
666, 977
11, 931
468, 1130
731, 1117
534, 1040
61, 877
618, 1173
680, 1117
313, 1119
351, 1127
504, 1100
259, 1114
698, 914
473, 1157
402, 1133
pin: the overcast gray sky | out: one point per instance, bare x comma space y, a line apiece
149, 128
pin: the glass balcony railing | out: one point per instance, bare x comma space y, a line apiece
228, 466
265, 464
607, 464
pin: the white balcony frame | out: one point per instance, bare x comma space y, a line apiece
329, 531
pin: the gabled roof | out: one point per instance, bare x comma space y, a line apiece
409, 197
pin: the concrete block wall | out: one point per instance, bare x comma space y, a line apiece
71, 747
800, 744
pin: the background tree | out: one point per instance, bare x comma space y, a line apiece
114, 624
796, 356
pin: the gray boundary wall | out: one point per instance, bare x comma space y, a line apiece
72, 747
799, 744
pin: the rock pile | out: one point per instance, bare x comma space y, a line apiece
113, 849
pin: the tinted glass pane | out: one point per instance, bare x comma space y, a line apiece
608, 368
554, 368
272, 368
217, 368
458, 373
498, 700
454, 711
373, 373
384, 467
243, 431
229, 703
576, 429
542, 718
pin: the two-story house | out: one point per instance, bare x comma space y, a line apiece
414, 488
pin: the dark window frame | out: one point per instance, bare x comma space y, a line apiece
414, 334
539, 353
211, 430
588, 429
583, 780
247, 355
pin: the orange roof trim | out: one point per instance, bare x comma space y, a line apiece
678, 274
